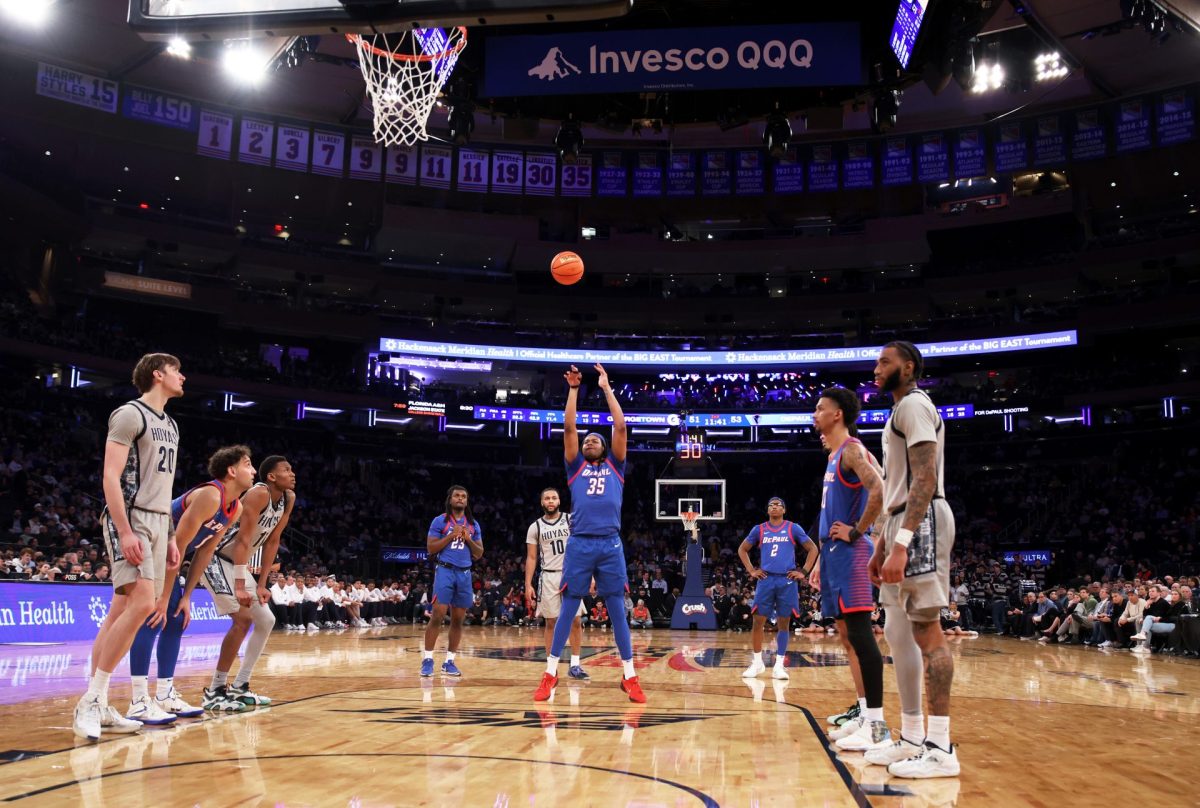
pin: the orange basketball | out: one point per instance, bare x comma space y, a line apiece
567, 268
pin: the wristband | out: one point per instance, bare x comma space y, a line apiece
239, 572
855, 534
904, 537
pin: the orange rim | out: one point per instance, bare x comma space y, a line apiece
408, 57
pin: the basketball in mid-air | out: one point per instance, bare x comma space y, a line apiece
567, 268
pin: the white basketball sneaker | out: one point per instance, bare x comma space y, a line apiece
174, 704
849, 728
866, 736
779, 672
112, 721
88, 714
932, 761
145, 710
889, 752
754, 670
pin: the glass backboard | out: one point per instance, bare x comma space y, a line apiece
703, 496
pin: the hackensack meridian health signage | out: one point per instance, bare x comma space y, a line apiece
810, 54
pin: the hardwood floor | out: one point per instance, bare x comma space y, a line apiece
353, 724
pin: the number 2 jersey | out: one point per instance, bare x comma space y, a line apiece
777, 544
212, 523
597, 491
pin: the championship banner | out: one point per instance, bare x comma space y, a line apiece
750, 179
1176, 117
681, 174
970, 158
716, 179
1049, 144
897, 161
788, 173
725, 57
151, 106
611, 176
1011, 149
933, 161
75, 87
1133, 125
1089, 138
859, 170
648, 175
823, 173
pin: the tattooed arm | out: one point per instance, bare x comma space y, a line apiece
856, 459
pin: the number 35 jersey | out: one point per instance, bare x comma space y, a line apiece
597, 491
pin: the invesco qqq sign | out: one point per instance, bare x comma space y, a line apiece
674, 59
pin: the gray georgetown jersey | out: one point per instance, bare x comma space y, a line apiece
153, 441
267, 521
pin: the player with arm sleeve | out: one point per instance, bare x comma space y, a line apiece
201, 517
775, 594
596, 476
138, 475
454, 542
547, 539
266, 509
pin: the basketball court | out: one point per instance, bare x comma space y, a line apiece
354, 724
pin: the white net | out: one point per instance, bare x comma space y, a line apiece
404, 73
690, 521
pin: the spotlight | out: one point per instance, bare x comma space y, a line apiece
1049, 66
569, 140
179, 48
884, 110
988, 77
461, 122
27, 13
777, 135
243, 62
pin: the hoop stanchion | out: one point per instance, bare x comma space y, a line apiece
404, 73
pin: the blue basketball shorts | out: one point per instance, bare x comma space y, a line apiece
776, 596
602, 559
453, 587
845, 584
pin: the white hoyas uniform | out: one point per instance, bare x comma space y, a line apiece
267, 522
551, 541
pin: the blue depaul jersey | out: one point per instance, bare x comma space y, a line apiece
843, 498
597, 491
456, 552
213, 524
777, 545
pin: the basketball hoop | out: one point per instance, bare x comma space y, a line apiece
690, 520
404, 73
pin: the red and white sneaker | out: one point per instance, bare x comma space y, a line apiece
633, 690
546, 689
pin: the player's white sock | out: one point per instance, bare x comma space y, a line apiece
874, 713
427, 654
162, 688
552, 665
141, 687
862, 704
912, 727
575, 661
219, 679
98, 686
449, 656
757, 657
939, 731
627, 665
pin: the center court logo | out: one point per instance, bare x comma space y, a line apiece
553, 66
